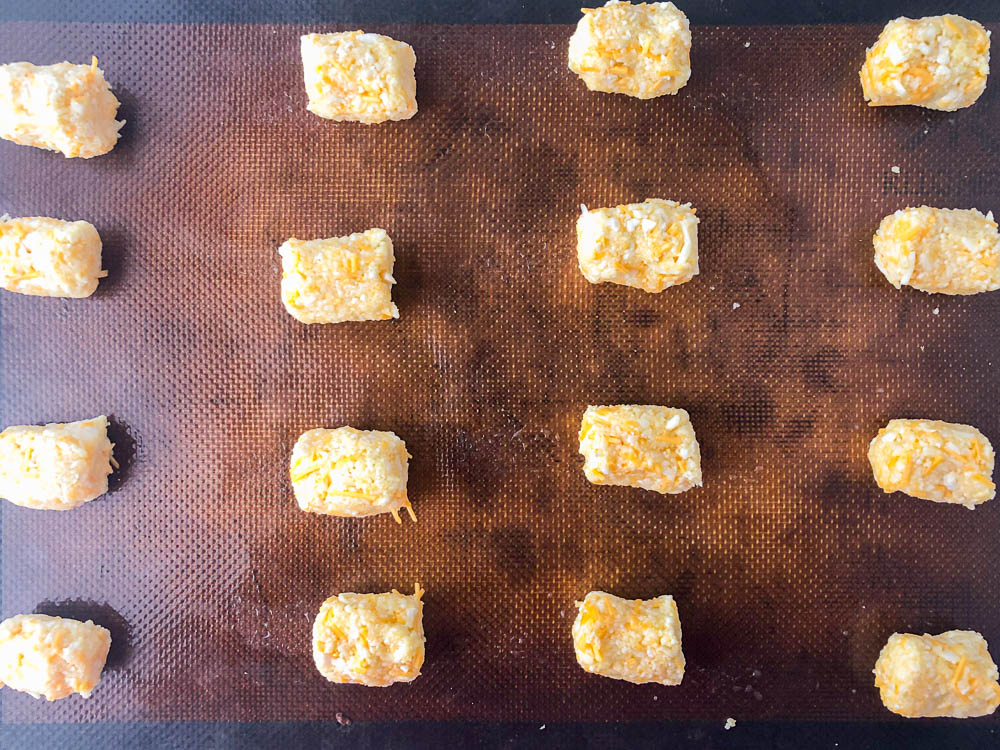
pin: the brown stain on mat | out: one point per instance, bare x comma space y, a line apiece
790, 567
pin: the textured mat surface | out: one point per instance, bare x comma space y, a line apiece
789, 566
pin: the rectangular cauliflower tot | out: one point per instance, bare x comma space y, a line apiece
52, 657
349, 472
640, 50
937, 62
939, 461
652, 447
339, 279
939, 250
649, 246
62, 107
49, 257
55, 467
951, 674
370, 639
359, 77
638, 641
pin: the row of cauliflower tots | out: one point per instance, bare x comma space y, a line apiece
377, 639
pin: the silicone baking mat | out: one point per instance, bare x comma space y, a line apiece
789, 566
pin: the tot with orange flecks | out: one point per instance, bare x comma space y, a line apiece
354, 76
339, 279
933, 460
937, 62
641, 50
951, 674
349, 472
633, 640
370, 639
650, 246
52, 657
652, 447
49, 258
62, 107
55, 466
939, 250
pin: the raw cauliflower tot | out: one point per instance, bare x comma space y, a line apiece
937, 62
349, 472
49, 257
951, 674
359, 77
52, 656
652, 447
370, 639
640, 50
55, 467
939, 250
62, 107
649, 246
339, 279
634, 640
939, 461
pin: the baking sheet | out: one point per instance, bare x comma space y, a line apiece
789, 566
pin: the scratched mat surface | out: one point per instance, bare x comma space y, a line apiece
789, 566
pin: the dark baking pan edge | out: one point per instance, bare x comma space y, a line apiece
913, 735
461, 11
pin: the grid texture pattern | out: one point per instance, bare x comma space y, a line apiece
789, 566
